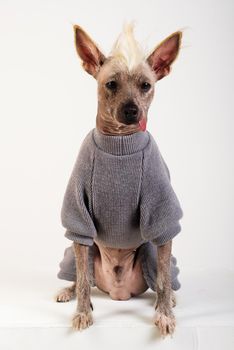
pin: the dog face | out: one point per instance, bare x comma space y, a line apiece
125, 95
125, 78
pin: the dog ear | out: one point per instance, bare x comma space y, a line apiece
92, 58
164, 54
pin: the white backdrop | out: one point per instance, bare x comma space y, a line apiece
48, 105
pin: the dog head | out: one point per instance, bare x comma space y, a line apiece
126, 77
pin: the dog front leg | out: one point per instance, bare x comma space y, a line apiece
83, 316
164, 317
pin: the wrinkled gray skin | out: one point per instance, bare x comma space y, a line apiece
119, 113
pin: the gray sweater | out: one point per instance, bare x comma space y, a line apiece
119, 194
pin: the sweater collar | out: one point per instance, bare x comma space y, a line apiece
121, 144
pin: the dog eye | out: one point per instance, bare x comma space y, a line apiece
145, 86
111, 85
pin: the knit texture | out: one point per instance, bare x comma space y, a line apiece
120, 195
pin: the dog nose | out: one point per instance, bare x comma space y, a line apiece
130, 112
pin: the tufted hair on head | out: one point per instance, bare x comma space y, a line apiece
127, 49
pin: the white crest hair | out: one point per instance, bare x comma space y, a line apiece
127, 49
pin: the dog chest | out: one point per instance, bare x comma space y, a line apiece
116, 184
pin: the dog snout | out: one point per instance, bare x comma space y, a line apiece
130, 113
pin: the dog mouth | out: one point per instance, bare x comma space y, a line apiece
142, 124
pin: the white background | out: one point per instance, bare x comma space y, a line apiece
48, 105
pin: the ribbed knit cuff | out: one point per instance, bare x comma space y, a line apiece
167, 235
79, 238
66, 276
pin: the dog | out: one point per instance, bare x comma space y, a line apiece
103, 198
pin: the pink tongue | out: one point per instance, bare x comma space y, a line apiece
142, 124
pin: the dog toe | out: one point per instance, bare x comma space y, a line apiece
82, 320
64, 295
165, 324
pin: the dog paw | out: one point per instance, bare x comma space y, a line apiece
64, 295
165, 324
82, 320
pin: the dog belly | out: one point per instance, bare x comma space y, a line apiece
119, 286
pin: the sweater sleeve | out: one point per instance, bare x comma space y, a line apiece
160, 209
76, 207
